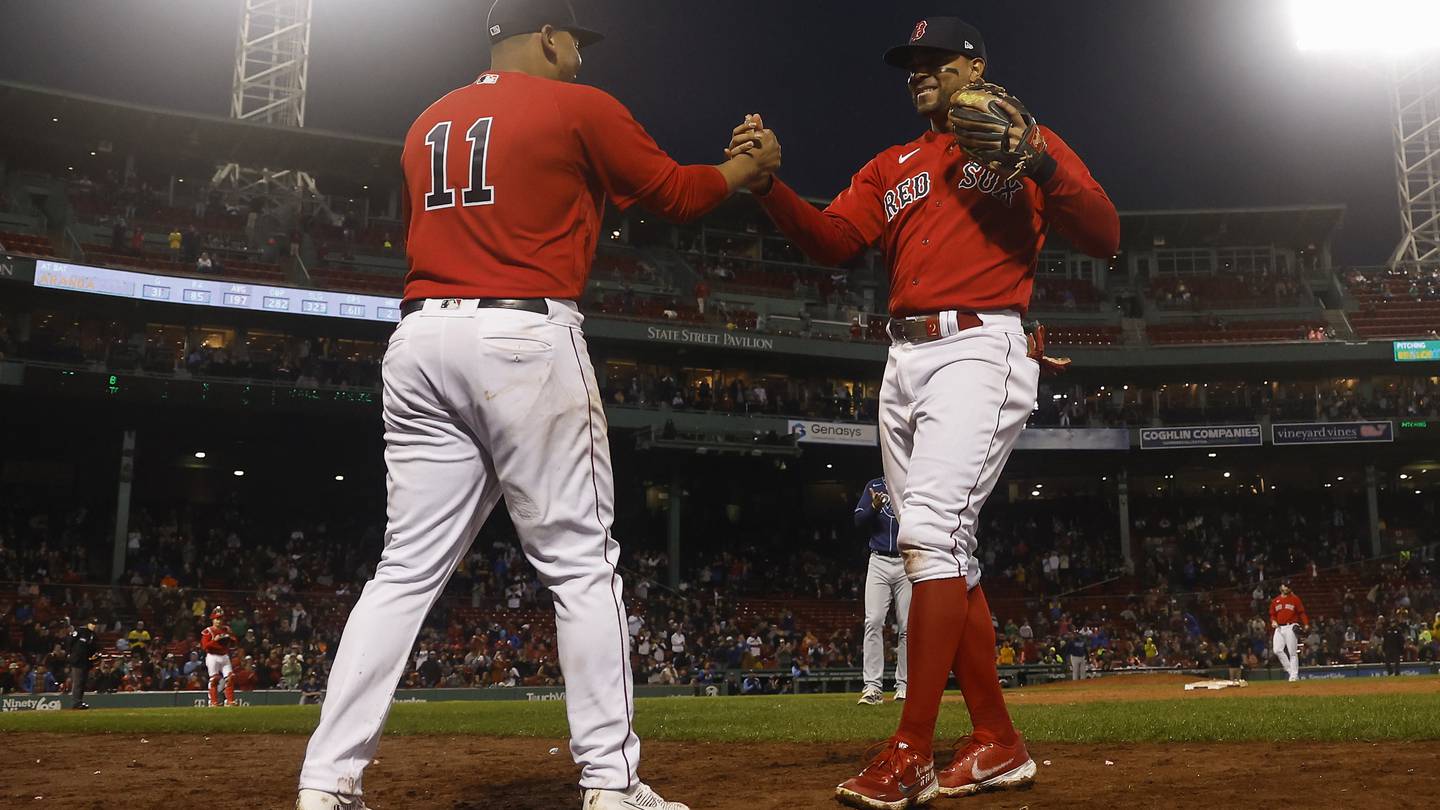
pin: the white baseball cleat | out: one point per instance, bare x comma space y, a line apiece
900, 694
638, 797
871, 697
319, 800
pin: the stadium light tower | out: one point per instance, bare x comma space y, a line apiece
272, 66
1405, 32
272, 62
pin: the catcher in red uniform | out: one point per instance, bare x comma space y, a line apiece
217, 640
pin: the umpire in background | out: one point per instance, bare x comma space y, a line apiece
1392, 641
885, 583
82, 657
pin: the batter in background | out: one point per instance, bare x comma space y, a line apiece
960, 240
489, 391
885, 585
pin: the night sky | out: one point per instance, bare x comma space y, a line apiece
1172, 103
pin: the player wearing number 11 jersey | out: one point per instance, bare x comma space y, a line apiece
489, 391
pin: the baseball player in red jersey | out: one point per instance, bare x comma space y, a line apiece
488, 389
960, 241
1286, 613
216, 641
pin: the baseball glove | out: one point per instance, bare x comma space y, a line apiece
997, 130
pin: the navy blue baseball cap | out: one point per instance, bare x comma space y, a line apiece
509, 18
938, 35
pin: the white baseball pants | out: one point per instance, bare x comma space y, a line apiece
1287, 649
480, 403
885, 584
218, 665
951, 411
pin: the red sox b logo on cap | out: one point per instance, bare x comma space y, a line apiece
919, 30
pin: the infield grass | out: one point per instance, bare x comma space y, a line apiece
822, 718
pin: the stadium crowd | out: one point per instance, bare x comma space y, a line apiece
1196, 598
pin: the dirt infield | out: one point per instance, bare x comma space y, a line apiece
249, 771
1127, 688
467, 773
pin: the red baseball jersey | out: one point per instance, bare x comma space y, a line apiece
506, 181
955, 234
217, 640
1285, 609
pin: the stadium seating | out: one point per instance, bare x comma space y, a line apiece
1056, 294
1232, 332
25, 244
333, 277
1074, 334
1223, 292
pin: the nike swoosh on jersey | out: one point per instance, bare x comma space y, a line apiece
908, 155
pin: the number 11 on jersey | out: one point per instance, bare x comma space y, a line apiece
477, 192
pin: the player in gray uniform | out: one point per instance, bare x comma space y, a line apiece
885, 584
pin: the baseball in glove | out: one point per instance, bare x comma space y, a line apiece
997, 130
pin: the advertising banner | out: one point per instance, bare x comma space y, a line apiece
1171, 438
853, 434
1332, 432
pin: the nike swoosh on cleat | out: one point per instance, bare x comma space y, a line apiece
908, 155
980, 776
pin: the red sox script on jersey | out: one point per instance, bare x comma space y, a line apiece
955, 234
498, 206
1285, 609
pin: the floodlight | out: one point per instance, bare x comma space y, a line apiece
1376, 27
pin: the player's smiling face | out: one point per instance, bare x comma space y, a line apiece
936, 76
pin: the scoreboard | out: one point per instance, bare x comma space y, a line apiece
215, 293
1416, 351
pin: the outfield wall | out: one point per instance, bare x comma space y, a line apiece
286, 697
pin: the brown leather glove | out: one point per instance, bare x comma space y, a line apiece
1035, 343
997, 130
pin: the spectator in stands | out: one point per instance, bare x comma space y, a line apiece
204, 264
137, 241
117, 235
190, 245
702, 294
176, 240
39, 679
138, 637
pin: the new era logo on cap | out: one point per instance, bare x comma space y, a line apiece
919, 30
494, 30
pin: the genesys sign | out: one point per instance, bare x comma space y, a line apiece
1332, 432
1169, 438
834, 433
30, 703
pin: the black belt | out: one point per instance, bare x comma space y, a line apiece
892, 555
539, 306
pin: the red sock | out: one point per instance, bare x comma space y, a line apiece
230, 689
937, 617
974, 666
